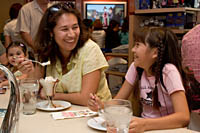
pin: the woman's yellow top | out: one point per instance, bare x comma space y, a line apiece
88, 59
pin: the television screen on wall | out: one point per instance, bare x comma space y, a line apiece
105, 11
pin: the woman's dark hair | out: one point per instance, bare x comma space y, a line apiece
45, 44
168, 52
17, 44
14, 10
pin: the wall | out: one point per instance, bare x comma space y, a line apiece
4, 11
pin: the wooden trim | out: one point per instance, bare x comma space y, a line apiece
165, 10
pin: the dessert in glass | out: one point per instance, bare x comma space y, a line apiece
49, 84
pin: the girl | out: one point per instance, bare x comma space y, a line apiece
157, 79
14, 51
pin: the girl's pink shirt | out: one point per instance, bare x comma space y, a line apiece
172, 81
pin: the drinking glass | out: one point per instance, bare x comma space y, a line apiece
118, 114
29, 90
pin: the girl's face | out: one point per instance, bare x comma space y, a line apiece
144, 56
13, 54
66, 33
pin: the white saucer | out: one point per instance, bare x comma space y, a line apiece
43, 105
96, 123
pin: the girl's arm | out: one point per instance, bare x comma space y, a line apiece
180, 117
125, 91
90, 83
94, 103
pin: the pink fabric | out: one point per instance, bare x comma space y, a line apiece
191, 51
173, 83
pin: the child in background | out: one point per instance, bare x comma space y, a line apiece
157, 79
124, 32
15, 50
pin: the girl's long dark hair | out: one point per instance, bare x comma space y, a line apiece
45, 43
168, 52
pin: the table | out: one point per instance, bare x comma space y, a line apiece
42, 122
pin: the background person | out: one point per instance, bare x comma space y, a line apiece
98, 33
112, 37
190, 49
14, 51
124, 32
3, 58
89, 25
29, 20
10, 28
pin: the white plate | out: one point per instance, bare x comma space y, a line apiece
96, 123
43, 105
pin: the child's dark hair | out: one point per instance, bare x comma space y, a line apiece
17, 44
24, 49
168, 52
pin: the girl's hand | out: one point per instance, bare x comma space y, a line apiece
94, 103
25, 66
137, 125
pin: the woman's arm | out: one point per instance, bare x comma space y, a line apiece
90, 83
180, 117
32, 71
125, 91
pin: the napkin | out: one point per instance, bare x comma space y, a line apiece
72, 114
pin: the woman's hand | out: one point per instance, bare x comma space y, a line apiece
137, 125
94, 103
25, 66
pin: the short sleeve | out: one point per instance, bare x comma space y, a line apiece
131, 74
6, 30
23, 21
172, 79
93, 58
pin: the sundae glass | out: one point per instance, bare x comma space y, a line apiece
49, 84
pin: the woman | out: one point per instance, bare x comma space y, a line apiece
76, 60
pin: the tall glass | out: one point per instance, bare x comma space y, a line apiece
118, 114
29, 91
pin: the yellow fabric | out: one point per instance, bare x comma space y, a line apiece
88, 59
